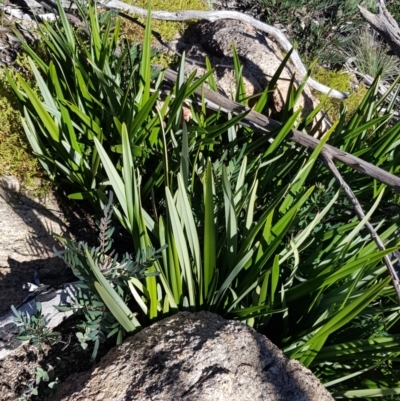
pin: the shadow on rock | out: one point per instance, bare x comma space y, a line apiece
27, 228
200, 357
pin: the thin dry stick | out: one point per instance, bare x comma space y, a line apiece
384, 24
267, 126
361, 215
210, 16
235, 15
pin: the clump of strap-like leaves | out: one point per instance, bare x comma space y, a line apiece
248, 225
100, 311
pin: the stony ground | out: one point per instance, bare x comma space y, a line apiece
27, 225
26, 242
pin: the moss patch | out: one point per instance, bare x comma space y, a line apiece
16, 157
341, 81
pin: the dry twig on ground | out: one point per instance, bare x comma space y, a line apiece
264, 125
361, 215
384, 24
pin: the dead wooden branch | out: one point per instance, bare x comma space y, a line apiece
361, 215
384, 24
264, 125
216, 15
368, 81
209, 16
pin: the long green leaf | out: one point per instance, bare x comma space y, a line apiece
182, 248
210, 257
110, 297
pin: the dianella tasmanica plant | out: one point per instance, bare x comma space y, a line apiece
245, 225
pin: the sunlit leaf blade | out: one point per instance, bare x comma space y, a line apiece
113, 301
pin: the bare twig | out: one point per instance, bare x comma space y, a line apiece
217, 15
361, 215
384, 24
211, 16
264, 125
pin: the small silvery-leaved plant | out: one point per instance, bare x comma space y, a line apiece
99, 322
42, 377
35, 328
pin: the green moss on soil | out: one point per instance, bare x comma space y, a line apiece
341, 81
16, 157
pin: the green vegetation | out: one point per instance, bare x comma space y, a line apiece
101, 322
15, 154
341, 81
218, 217
322, 29
42, 377
34, 328
371, 56
47, 376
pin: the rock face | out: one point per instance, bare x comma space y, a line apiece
26, 242
198, 357
27, 225
259, 55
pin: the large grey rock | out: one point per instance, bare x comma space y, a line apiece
259, 55
198, 357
